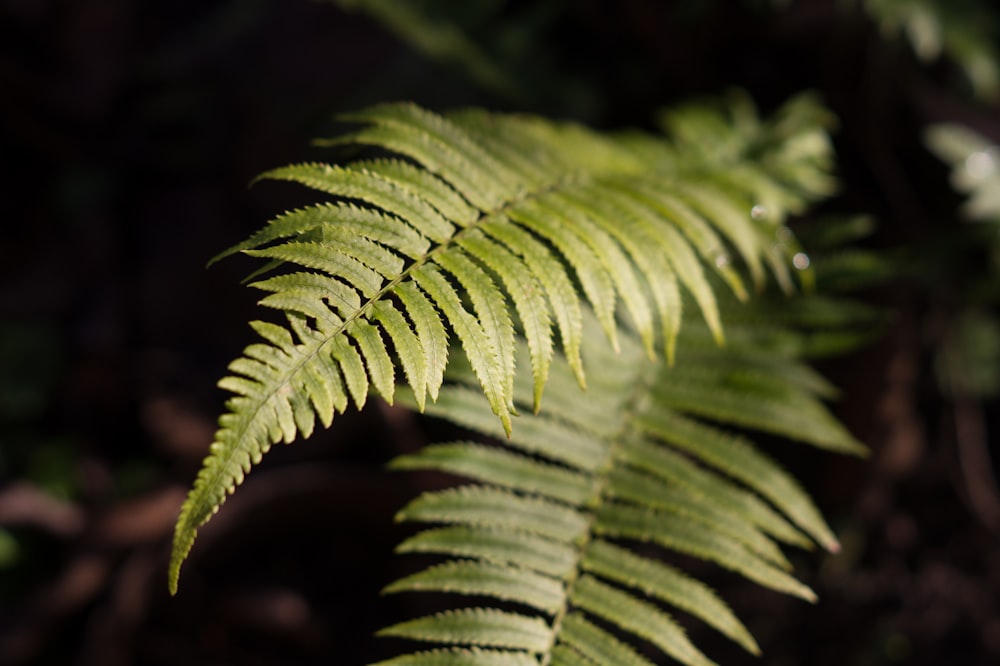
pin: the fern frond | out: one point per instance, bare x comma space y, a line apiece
553, 517
964, 33
481, 226
975, 162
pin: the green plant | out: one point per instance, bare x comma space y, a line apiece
962, 31
482, 230
579, 298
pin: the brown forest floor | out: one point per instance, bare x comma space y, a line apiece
129, 132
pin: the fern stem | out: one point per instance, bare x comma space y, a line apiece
640, 385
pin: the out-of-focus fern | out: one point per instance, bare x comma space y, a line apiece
647, 454
969, 356
975, 168
504, 48
964, 31
443, 29
565, 523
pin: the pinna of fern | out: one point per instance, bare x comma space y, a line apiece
487, 224
557, 516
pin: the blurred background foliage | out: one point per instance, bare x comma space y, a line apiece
128, 134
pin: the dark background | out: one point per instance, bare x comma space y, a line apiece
129, 132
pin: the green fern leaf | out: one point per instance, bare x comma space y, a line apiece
497, 545
526, 293
441, 146
407, 345
649, 492
502, 468
696, 228
721, 449
478, 343
370, 188
677, 470
430, 331
642, 472
495, 508
561, 294
480, 226
486, 579
425, 185
573, 447
322, 220
597, 645
731, 221
477, 626
463, 657
309, 290
692, 538
638, 617
491, 311
328, 259
668, 584
593, 279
